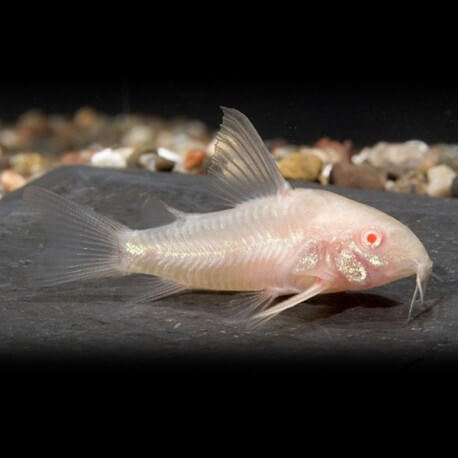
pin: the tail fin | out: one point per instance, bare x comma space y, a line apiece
81, 243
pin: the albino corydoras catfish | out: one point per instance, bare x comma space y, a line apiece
274, 240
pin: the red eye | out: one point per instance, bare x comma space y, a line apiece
371, 238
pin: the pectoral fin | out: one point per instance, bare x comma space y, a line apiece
313, 290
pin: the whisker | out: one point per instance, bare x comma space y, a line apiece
412, 302
420, 288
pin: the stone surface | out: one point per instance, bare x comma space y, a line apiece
96, 318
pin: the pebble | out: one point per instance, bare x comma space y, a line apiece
9, 138
454, 188
325, 157
148, 161
440, 179
86, 118
355, 176
448, 155
34, 122
338, 151
413, 181
4, 162
211, 147
299, 166
194, 160
282, 151
139, 135
395, 158
197, 130
134, 159
10, 180
325, 175
81, 158
108, 158
163, 165
28, 163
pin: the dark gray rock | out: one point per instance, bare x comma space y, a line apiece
96, 318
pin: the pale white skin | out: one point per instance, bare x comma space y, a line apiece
280, 244
274, 241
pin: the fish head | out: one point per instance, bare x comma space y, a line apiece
372, 248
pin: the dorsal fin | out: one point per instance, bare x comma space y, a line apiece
242, 167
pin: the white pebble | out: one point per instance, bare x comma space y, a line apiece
440, 180
108, 158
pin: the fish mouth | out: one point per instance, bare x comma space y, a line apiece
423, 270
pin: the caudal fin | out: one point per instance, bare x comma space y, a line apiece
81, 243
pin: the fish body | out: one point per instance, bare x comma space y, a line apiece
273, 241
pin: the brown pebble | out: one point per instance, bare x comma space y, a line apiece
75, 158
355, 176
343, 149
133, 159
34, 122
4, 162
163, 165
298, 166
194, 159
86, 118
11, 180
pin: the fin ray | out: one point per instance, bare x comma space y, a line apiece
246, 304
155, 288
311, 291
81, 243
154, 213
242, 167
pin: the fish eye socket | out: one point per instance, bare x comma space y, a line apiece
371, 238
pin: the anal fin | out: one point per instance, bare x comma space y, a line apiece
153, 288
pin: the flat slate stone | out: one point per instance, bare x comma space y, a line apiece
97, 317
